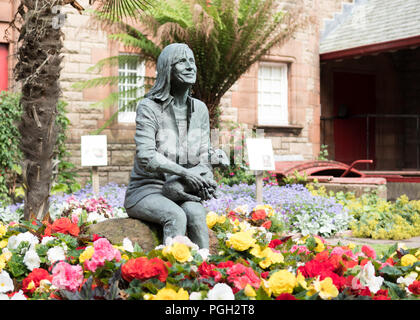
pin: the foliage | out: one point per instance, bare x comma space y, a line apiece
323, 153
376, 218
296, 178
227, 37
10, 154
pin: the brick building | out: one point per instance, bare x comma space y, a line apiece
289, 93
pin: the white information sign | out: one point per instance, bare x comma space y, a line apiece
260, 154
94, 151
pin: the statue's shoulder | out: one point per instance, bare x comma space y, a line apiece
199, 105
148, 105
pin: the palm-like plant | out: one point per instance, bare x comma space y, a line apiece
38, 70
226, 36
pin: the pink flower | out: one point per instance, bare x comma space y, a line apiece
66, 276
369, 251
299, 249
74, 218
104, 251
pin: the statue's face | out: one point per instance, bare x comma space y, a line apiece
184, 70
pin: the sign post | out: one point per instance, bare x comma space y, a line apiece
261, 158
94, 154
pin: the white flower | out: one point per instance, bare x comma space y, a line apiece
18, 296
408, 280
15, 241
196, 296
3, 296
95, 217
6, 283
31, 259
221, 291
367, 278
47, 239
128, 245
56, 254
204, 253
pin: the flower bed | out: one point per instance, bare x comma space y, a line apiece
44, 260
294, 205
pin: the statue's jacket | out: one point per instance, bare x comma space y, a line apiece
159, 145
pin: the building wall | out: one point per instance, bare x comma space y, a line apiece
84, 45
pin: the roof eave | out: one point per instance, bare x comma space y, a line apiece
372, 48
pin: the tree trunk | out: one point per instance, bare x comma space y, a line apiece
38, 69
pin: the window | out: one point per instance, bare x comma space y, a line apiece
132, 85
272, 94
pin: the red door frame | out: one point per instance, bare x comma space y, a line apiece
4, 52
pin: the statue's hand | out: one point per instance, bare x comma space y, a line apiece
195, 181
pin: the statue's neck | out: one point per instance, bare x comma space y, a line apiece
180, 94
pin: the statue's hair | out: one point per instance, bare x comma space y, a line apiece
167, 58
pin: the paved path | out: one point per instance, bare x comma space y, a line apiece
410, 243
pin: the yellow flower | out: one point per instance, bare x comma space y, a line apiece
6, 256
282, 281
241, 241
408, 260
211, 219
181, 252
3, 229
319, 245
3, 244
221, 219
168, 294
2, 264
301, 280
31, 285
87, 254
351, 246
125, 257
249, 291
325, 288
266, 287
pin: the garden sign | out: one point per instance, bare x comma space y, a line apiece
94, 154
260, 158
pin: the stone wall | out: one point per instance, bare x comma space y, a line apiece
85, 45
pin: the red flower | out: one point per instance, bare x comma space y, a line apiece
35, 276
62, 225
286, 296
381, 295
95, 237
267, 224
265, 274
259, 215
226, 264
143, 268
368, 251
415, 287
208, 271
274, 243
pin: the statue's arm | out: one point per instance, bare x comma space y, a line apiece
147, 125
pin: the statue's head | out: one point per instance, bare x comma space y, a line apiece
175, 63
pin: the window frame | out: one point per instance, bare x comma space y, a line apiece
274, 120
127, 117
